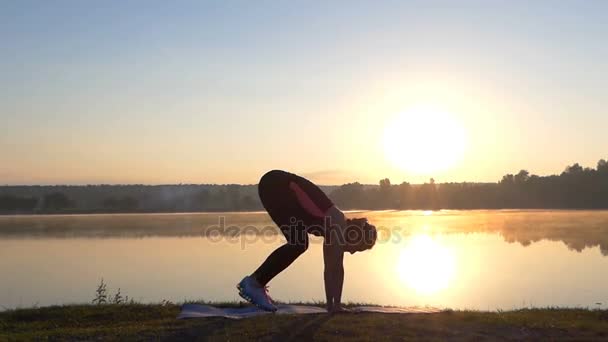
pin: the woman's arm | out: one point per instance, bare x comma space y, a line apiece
333, 257
333, 276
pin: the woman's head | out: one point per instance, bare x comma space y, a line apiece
359, 235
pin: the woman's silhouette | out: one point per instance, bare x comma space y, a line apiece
300, 208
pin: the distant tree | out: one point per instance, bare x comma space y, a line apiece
350, 196
219, 200
507, 180
247, 203
10, 203
404, 195
426, 196
56, 201
602, 166
201, 200
573, 169
522, 177
386, 194
129, 203
234, 197
109, 203
385, 185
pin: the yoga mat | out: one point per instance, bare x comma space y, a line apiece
200, 311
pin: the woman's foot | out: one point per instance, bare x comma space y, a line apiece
253, 292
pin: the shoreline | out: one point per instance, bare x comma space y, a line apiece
158, 321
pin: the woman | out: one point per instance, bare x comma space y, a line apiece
300, 208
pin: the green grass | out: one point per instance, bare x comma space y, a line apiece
158, 322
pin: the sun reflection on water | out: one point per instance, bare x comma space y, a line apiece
426, 265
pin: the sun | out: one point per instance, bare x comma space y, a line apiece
423, 140
426, 265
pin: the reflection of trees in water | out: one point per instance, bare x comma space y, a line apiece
577, 233
576, 229
129, 225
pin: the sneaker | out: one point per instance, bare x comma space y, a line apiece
255, 294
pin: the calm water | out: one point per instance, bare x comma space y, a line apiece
457, 259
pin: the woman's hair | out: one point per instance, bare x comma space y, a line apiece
360, 234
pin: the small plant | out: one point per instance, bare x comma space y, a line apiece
101, 294
118, 299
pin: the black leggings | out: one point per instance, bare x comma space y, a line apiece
279, 192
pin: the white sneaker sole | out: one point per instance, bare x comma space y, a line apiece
248, 299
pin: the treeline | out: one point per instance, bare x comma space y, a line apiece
128, 198
575, 188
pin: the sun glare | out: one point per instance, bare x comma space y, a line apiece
425, 265
424, 140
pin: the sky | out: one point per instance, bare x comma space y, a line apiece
222, 91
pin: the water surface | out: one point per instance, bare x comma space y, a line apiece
456, 259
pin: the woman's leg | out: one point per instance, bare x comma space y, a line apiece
282, 205
282, 257
297, 206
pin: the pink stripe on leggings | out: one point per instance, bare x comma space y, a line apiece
305, 201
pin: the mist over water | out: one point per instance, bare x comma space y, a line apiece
458, 259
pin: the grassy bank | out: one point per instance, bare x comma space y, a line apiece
157, 322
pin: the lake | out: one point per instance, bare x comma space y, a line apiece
483, 260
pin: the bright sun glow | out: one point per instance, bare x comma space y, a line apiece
426, 265
424, 140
